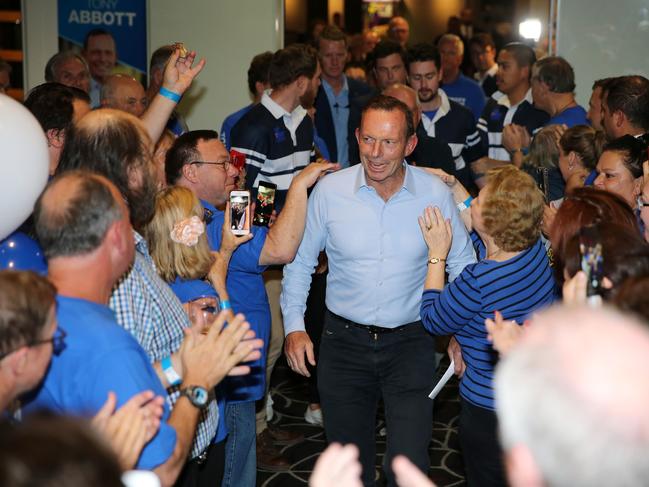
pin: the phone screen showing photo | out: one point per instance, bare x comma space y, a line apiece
239, 213
265, 204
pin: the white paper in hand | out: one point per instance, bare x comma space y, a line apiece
442, 382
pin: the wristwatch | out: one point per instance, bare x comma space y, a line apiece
435, 260
197, 395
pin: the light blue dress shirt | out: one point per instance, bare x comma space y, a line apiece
339, 106
377, 254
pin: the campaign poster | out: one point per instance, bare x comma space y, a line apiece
124, 20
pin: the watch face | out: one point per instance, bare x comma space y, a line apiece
197, 395
200, 395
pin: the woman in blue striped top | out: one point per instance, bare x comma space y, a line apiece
512, 276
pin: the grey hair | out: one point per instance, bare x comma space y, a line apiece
541, 405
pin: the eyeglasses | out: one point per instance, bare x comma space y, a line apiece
225, 164
57, 341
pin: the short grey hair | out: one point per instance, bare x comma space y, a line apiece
452, 38
52, 66
76, 223
547, 398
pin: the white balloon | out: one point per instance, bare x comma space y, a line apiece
24, 164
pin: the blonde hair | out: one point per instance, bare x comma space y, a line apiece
172, 259
544, 149
513, 209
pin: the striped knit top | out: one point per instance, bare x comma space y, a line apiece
515, 287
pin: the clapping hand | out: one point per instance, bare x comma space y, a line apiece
503, 334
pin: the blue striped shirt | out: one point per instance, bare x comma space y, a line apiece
515, 287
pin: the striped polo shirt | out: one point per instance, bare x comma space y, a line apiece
277, 145
501, 112
454, 124
516, 287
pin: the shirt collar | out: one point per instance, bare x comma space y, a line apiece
504, 100
444, 108
330, 91
490, 72
278, 111
140, 243
408, 180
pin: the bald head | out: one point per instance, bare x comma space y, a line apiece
124, 93
573, 388
74, 213
116, 145
408, 96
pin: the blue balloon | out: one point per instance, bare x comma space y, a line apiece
22, 253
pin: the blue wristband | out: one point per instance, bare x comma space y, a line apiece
175, 97
465, 204
225, 304
170, 373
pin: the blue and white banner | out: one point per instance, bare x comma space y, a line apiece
125, 20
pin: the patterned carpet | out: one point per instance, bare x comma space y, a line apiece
289, 393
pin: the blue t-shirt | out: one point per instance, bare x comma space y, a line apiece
570, 117
245, 286
100, 356
229, 122
430, 113
466, 92
189, 290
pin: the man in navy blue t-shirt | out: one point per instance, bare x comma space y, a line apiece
458, 87
553, 87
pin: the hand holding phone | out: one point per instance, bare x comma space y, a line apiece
240, 212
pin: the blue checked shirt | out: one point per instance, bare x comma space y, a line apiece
145, 306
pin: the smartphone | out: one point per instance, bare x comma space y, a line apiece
592, 261
265, 203
543, 183
240, 212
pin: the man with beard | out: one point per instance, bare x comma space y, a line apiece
276, 136
625, 106
116, 145
443, 118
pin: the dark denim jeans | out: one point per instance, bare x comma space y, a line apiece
356, 370
240, 446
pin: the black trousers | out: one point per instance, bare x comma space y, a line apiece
356, 370
481, 451
208, 473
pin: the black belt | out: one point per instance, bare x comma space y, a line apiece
371, 328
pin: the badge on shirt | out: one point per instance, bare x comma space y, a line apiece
496, 114
279, 134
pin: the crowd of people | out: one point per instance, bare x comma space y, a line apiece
419, 192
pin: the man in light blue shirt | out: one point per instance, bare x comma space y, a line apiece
336, 95
373, 344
